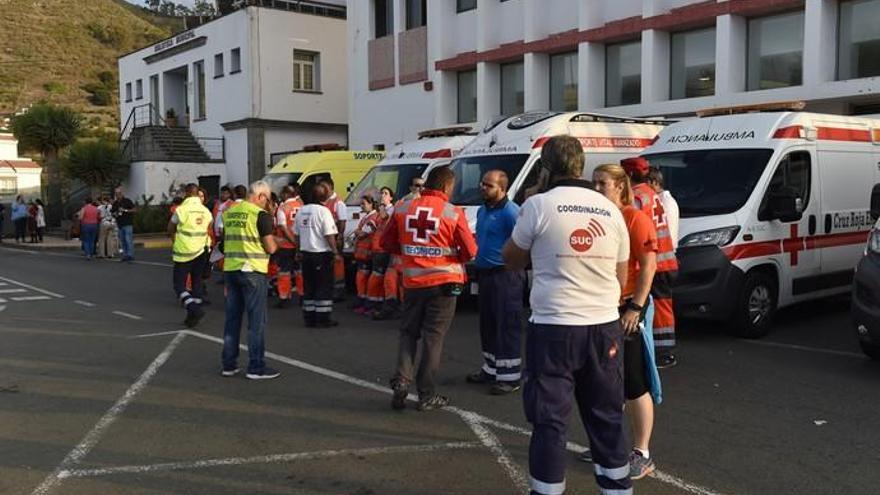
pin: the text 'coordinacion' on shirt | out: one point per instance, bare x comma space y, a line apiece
593, 210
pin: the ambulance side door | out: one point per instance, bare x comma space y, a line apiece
796, 171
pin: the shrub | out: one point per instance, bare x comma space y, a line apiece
54, 87
150, 219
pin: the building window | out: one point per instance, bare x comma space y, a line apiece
8, 186
384, 18
564, 82
623, 74
201, 110
218, 65
235, 62
512, 92
465, 5
416, 13
139, 89
305, 71
127, 91
859, 39
692, 66
776, 56
467, 96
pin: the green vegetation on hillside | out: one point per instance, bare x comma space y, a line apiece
64, 52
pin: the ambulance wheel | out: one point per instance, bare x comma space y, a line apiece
756, 306
871, 350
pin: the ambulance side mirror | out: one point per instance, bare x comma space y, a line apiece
875, 202
785, 205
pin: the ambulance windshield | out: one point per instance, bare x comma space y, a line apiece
711, 182
278, 181
397, 177
469, 172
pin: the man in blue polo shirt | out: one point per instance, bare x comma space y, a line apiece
500, 290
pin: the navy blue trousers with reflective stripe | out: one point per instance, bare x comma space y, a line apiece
195, 269
501, 297
584, 363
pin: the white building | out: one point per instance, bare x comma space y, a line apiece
244, 89
417, 64
18, 176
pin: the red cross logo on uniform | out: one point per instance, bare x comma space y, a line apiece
421, 225
658, 213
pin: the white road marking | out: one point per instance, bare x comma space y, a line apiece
127, 315
30, 298
491, 442
2, 300
146, 335
480, 419
796, 347
31, 287
12, 291
85, 303
93, 436
266, 459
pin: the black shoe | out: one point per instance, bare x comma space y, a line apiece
327, 324
586, 456
267, 374
227, 372
398, 399
435, 401
504, 388
480, 377
193, 319
283, 303
666, 361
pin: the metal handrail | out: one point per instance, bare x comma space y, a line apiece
145, 115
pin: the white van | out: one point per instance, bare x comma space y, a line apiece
774, 208
401, 165
514, 146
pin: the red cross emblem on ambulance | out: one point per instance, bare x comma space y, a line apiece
421, 224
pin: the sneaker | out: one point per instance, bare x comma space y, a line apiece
586, 456
435, 401
639, 465
480, 377
230, 371
398, 399
504, 388
267, 374
193, 319
666, 361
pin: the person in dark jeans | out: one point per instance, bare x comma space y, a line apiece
123, 210
315, 235
19, 218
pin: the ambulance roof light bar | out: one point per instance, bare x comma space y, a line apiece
778, 106
323, 147
612, 119
459, 130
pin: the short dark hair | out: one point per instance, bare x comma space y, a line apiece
226, 188
239, 192
191, 189
563, 156
369, 199
386, 188
439, 178
329, 181
656, 175
318, 194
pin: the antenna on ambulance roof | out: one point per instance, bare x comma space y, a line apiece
777, 106
459, 130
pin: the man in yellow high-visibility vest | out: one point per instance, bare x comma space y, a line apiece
248, 241
189, 225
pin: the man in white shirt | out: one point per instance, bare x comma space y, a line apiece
670, 205
579, 247
315, 235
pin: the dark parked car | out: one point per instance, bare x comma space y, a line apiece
866, 296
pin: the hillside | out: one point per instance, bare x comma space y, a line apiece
64, 51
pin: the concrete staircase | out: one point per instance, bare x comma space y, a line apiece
160, 143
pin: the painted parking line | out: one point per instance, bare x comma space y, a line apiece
830, 352
30, 298
12, 291
31, 287
85, 303
127, 315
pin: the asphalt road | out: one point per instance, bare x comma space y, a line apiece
91, 402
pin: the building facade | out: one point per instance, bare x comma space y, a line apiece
417, 64
221, 102
18, 176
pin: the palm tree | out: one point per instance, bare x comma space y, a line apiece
48, 129
97, 163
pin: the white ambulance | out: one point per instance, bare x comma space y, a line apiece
401, 165
514, 146
774, 208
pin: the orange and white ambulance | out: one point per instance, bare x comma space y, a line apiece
774, 206
514, 146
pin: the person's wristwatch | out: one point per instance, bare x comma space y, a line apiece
631, 306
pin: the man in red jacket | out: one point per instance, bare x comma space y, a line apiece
434, 241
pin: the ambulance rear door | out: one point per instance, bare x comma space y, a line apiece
795, 175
